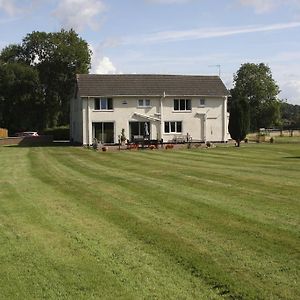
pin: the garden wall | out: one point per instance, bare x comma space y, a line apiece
27, 141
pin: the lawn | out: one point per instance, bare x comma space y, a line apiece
181, 224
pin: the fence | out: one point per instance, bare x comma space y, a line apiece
3, 133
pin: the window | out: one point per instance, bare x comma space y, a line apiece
202, 102
103, 104
139, 129
104, 132
173, 127
182, 104
144, 103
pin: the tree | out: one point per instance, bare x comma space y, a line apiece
239, 119
57, 57
290, 115
255, 83
21, 101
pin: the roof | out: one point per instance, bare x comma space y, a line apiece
93, 85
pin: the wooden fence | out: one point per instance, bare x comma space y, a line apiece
3, 133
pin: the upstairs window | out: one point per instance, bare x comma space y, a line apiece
144, 103
182, 104
103, 104
202, 102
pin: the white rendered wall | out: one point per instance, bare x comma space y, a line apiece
203, 123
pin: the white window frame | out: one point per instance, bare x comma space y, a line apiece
180, 101
104, 107
145, 103
170, 127
202, 102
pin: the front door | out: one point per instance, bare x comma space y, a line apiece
104, 132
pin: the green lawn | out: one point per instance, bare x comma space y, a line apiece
186, 224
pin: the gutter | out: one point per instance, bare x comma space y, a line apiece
143, 95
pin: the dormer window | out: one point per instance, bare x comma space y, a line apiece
103, 104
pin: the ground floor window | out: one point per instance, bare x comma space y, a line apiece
173, 127
139, 130
104, 132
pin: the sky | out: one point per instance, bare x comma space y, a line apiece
199, 37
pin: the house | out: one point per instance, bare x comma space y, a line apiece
159, 107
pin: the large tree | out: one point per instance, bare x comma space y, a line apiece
21, 100
239, 119
255, 83
57, 57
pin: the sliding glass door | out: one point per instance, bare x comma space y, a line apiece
104, 132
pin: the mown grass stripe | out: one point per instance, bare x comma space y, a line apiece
180, 224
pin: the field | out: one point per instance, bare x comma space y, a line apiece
185, 224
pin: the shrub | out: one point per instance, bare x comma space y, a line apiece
169, 146
59, 133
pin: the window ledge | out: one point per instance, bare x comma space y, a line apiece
181, 111
103, 110
172, 133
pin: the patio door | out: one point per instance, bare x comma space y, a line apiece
104, 132
139, 130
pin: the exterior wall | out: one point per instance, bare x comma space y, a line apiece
202, 123
76, 120
124, 109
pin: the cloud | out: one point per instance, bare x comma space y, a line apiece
261, 6
78, 14
13, 7
286, 72
203, 33
101, 64
265, 6
105, 66
290, 90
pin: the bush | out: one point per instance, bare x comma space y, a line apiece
59, 133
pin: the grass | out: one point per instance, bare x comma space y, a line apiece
206, 224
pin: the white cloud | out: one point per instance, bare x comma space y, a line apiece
265, 6
101, 64
13, 7
105, 66
287, 74
203, 33
290, 90
78, 14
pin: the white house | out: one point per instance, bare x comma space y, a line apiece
159, 106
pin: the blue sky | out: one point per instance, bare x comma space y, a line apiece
172, 36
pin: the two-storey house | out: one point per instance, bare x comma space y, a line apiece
156, 106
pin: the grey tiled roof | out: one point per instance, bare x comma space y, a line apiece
150, 85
